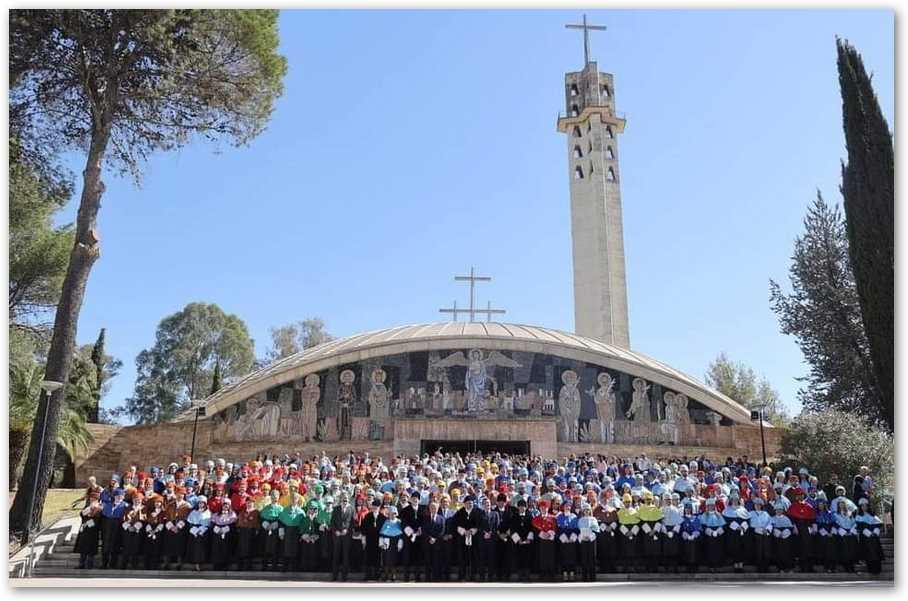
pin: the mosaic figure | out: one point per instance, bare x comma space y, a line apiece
346, 398
262, 420
309, 414
606, 406
569, 404
639, 409
669, 427
478, 373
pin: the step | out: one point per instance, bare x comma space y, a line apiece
324, 577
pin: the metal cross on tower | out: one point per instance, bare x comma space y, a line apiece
472, 311
586, 37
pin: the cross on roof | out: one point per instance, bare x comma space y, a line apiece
472, 311
586, 37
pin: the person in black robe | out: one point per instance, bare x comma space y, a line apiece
133, 533
89, 531
370, 527
409, 519
199, 523
783, 532
176, 529
153, 545
691, 535
247, 529
466, 525
521, 535
502, 545
488, 541
760, 535
803, 516
341, 529
869, 529
310, 532
223, 531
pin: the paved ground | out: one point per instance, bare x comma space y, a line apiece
133, 583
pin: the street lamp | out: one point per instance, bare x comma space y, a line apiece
47, 388
758, 415
199, 407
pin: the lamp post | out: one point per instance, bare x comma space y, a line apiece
199, 409
47, 389
758, 415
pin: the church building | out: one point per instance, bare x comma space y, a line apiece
472, 385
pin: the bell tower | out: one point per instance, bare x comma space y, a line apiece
592, 128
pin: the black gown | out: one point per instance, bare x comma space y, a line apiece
89, 534
736, 539
846, 543
714, 544
369, 527
198, 544
222, 544
671, 545
782, 546
869, 547
651, 542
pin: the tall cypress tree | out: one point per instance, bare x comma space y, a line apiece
216, 378
868, 183
97, 357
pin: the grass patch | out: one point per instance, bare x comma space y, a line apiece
57, 505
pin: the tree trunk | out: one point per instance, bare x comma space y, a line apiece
18, 442
85, 252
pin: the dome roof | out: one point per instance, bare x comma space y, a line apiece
461, 335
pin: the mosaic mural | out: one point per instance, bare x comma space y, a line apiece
356, 401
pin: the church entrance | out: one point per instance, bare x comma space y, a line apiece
512, 447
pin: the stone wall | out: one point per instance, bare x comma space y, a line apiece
115, 448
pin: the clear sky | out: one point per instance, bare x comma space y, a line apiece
409, 146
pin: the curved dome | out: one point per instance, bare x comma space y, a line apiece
460, 335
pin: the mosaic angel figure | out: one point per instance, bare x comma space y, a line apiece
478, 369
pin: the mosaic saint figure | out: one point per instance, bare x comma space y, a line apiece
606, 406
569, 404
478, 370
378, 395
346, 397
309, 414
639, 409
669, 427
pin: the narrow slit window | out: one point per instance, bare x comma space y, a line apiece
574, 90
575, 110
578, 172
578, 154
609, 154
606, 92
611, 175
577, 132
591, 169
589, 126
590, 147
608, 132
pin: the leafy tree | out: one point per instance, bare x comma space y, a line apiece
823, 315
294, 337
739, 382
26, 374
189, 346
119, 85
868, 191
835, 444
38, 251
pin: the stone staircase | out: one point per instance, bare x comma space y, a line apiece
62, 562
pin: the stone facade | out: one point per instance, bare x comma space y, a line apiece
592, 127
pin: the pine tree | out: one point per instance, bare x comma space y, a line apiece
868, 182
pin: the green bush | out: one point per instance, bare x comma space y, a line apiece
833, 445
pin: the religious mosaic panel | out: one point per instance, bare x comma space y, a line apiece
357, 401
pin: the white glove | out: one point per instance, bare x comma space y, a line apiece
180, 524
125, 525
646, 529
733, 526
635, 530
786, 533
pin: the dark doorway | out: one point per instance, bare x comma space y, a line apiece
512, 447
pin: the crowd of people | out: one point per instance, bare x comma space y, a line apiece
478, 517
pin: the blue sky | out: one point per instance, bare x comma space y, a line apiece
410, 145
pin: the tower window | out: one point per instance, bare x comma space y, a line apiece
578, 172
591, 168
608, 132
578, 154
575, 110
590, 147
611, 175
609, 154
576, 133
589, 126
574, 90
605, 91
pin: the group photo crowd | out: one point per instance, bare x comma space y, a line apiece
476, 517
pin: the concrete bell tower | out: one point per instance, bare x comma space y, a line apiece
592, 127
